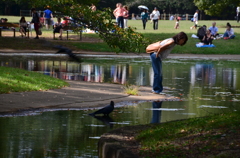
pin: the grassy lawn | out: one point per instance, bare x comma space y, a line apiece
197, 137
91, 42
18, 80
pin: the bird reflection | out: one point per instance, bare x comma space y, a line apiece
68, 52
106, 120
156, 114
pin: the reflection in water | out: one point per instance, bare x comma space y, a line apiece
209, 73
75, 134
156, 114
106, 120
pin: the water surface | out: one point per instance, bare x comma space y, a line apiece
206, 86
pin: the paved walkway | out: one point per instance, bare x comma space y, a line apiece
80, 94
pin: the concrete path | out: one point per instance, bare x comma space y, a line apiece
80, 94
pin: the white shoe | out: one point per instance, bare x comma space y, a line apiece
191, 28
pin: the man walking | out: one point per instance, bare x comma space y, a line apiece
155, 15
238, 13
47, 17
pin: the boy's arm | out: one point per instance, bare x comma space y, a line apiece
153, 47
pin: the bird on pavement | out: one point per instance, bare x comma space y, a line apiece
105, 111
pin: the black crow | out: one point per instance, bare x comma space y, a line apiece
68, 52
106, 110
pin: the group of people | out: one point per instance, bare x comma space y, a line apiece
154, 17
48, 21
206, 36
121, 15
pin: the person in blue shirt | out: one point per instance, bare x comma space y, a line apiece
144, 17
47, 17
214, 29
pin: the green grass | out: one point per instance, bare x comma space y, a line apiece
91, 42
18, 80
130, 89
192, 137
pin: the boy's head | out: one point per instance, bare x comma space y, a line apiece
181, 38
59, 19
33, 10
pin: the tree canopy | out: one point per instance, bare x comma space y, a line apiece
217, 7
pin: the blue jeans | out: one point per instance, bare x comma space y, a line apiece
157, 71
120, 21
144, 21
226, 35
156, 114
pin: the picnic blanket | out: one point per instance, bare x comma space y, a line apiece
204, 46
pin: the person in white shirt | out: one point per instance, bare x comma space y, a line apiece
195, 20
229, 34
238, 13
155, 15
214, 29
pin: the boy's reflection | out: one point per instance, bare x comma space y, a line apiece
156, 114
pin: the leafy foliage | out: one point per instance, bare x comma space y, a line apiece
121, 40
216, 7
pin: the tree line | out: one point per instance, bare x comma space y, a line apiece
211, 9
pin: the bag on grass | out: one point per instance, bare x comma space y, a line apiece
39, 32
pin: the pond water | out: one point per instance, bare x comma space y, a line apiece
206, 86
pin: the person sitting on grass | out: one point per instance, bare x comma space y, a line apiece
58, 28
159, 51
201, 32
229, 34
214, 29
23, 26
208, 38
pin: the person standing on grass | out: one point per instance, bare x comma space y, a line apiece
159, 51
155, 16
144, 17
238, 13
47, 14
35, 21
125, 16
119, 13
195, 20
177, 24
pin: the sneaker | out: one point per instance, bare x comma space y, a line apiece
191, 28
160, 93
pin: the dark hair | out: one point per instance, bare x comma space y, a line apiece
180, 36
229, 25
33, 9
22, 19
